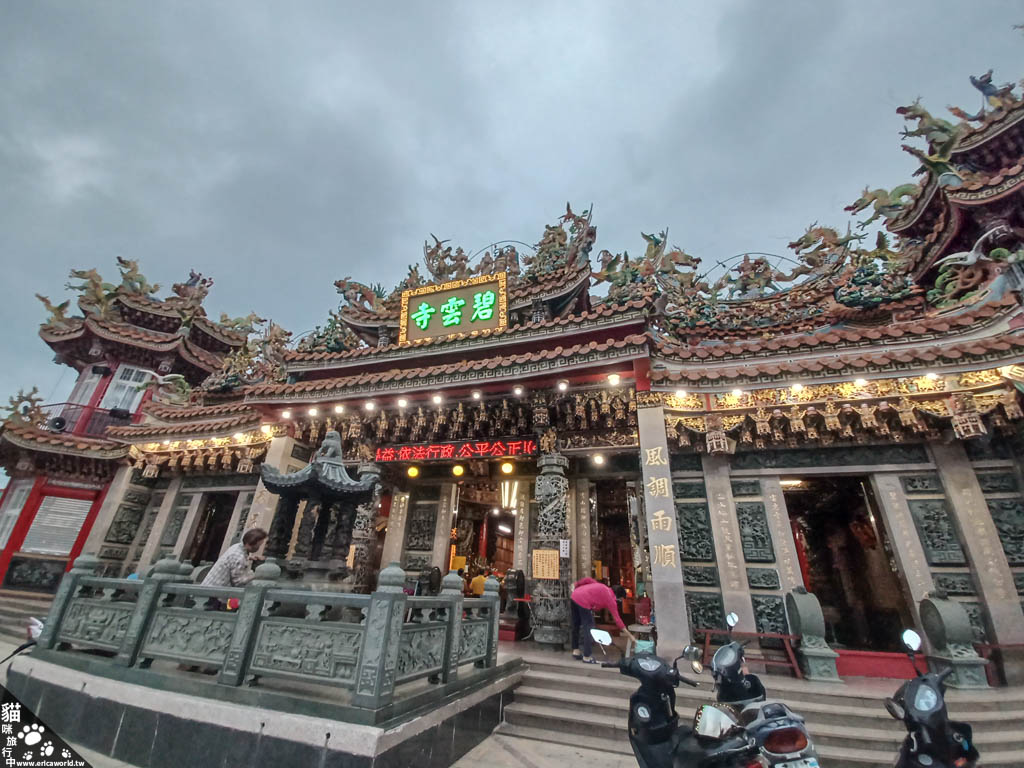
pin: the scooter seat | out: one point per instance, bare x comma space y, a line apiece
691, 750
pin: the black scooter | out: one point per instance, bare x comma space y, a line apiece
933, 740
780, 733
716, 739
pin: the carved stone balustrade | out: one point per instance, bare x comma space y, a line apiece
369, 644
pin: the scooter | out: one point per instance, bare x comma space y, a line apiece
715, 740
933, 740
779, 732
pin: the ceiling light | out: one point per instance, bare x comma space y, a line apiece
402, 402
458, 470
413, 471
507, 467
509, 492
312, 411
737, 393
437, 399
476, 394
680, 393
514, 513
239, 435
370, 405
791, 483
504, 529
265, 429
563, 385
598, 458
286, 414
798, 387
339, 409
613, 379
495, 511
517, 390
931, 376
860, 382
167, 442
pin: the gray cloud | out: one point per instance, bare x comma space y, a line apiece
280, 148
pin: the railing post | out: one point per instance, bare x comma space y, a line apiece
85, 565
491, 589
163, 572
250, 609
382, 635
451, 588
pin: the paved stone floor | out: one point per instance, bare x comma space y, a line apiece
500, 751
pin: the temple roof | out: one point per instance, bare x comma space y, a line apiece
43, 440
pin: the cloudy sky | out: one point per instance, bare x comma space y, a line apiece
279, 146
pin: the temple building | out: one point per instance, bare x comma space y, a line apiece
846, 420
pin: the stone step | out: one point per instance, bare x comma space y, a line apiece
605, 717
615, 692
857, 693
614, 746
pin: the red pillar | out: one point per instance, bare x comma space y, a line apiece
483, 538
20, 530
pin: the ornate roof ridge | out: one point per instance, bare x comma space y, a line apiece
33, 438
510, 331
140, 432
172, 413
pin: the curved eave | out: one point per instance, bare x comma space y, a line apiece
147, 433
996, 123
542, 363
219, 333
42, 441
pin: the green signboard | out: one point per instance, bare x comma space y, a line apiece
455, 309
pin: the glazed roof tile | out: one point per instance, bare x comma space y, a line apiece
148, 431
46, 441
598, 312
412, 374
195, 412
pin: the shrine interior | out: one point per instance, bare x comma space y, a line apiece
847, 561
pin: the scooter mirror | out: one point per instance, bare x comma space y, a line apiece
894, 709
732, 620
912, 640
601, 637
691, 652
696, 666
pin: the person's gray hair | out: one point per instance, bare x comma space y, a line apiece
254, 536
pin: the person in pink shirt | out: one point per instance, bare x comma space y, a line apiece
588, 596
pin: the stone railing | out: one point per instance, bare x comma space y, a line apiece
367, 643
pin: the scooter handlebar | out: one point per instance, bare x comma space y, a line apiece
945, 673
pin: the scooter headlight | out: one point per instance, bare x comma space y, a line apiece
925, 698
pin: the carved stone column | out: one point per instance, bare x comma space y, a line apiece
521, 543
551, 596
281, 528
903, 538
673, 624
264, 502
777, 515
152, 545
732, 570
443, 526
980, 539
582, 544
364, 536
394, 539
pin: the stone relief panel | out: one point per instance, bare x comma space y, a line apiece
998, 482
420, 651
689, 489
954, 583
705, 610
695, 539
754, 534
176, 520
699, 576
746, 487
96, 623
1018, 580
125, 524
419, 532
200, 636
831, 457
35, 574
327, 652
1008, 515
473, 641
770, 614
938, 537
921, 484
763, 578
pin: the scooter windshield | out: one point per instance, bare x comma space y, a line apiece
724, 657
713, 722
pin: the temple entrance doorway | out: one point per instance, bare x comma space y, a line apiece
485, 528
847, 561
615, 543
211, 527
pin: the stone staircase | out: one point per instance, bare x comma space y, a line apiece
566, 702
15, 612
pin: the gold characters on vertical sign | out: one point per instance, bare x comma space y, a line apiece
664, 555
